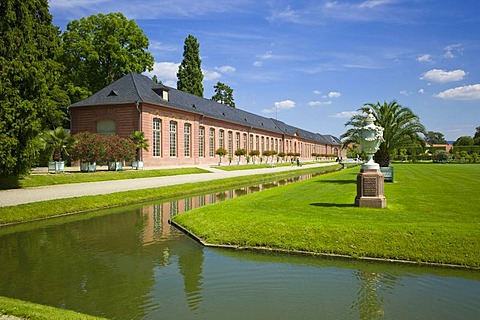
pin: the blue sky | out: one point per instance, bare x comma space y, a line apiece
313, 63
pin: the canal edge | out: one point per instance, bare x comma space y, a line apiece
319, 254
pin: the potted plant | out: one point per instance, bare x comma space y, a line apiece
221, 152
253, 154
60, 142
239, 153
138, 138
90, 149
118, 150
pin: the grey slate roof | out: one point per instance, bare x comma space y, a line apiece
134, 87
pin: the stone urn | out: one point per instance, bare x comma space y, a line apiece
370, 178
371, 136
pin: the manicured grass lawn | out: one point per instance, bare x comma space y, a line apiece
45, 209
28, 310
235, 167
432, 215
36, 180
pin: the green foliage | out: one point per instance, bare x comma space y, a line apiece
119, 149
60, 142
29, 96
223, 94
441, 156
463, 141
190, 74
138, 138
90, 147
102, 48
401, 128
432, 137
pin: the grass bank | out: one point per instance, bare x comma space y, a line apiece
432, 216
36, 180
28, 310
46, 209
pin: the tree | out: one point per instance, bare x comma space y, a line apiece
29, 75
221, 152
60, 142
138, 138
433, 137
190, 74
239, 153
401, 128
223, 94
463, 141
102, 48
477, 133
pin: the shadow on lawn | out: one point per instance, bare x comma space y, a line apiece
338, 181
330, 205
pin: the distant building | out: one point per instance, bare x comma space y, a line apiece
183, 129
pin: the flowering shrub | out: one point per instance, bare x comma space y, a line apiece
119, 149
90, 147
93, 147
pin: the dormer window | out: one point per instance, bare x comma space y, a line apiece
112, 93
162, 92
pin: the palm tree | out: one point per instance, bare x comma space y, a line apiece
60, 141
138, 138
401, 128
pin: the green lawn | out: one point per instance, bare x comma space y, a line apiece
432, 215
35, 180
28, 310
46, 209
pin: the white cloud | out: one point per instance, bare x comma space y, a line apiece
450, 51
442, 76
257, 63
470, 92
159, 46
267, 55
225, 69
344, 114
425, 58
333, 94
280, 105
404, 93
317, 92
165, 71
319, 103
210, 75
422, 91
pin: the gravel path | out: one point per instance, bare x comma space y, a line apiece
27, 195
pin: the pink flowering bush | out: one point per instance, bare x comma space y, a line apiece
90, 147
119, 149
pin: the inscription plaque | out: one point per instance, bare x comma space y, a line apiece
369, 186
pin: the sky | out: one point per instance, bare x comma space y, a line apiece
312, 64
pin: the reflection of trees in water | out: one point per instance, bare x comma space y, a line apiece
369, 303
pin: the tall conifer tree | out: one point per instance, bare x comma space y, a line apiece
190, 74
223, 94
28, 78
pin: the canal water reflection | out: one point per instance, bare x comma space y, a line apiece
132, 264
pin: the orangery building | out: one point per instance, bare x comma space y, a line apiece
183, 129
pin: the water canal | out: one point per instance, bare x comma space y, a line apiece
132, 264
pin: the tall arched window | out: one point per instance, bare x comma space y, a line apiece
173, 139
221, 139
230, 143
157, 137
211, 149
201, 142
187, 132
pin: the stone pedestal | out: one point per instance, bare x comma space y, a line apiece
370, 189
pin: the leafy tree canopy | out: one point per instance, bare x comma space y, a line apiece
102, 48
401, 128
223, 94
29, 96
190, 74
464, 141
477, 133
433, 137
